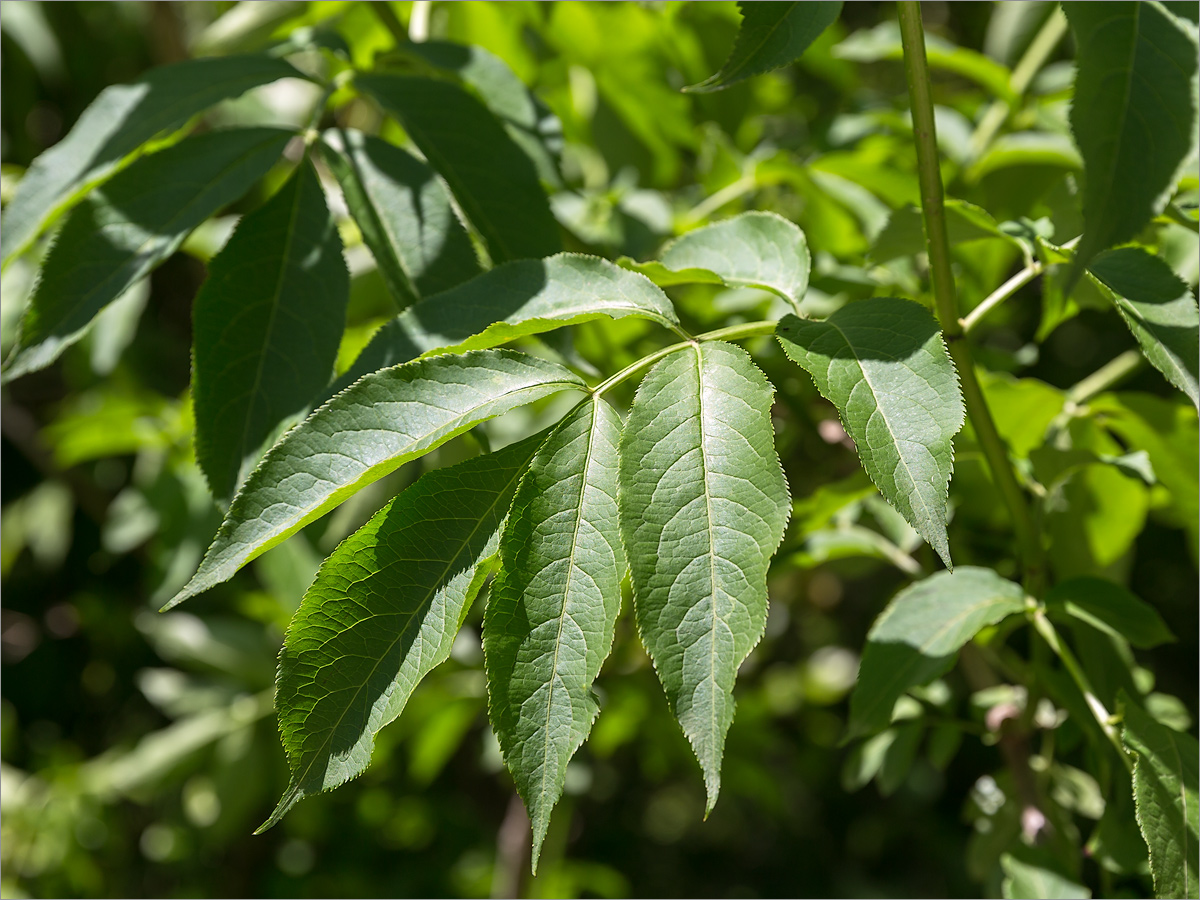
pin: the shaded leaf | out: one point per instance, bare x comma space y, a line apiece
404, 213
771, 35
1165, 793
125, 229
266, 328
883, 364
553, 609
1159, 309
362, 434
918, 636
493, 180
1133, 116
703, 506
1108, 606
382, 612
904, 234
119, 121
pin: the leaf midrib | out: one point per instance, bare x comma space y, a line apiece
746, 60
712, 554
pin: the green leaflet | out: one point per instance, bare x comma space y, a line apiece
1109, 607
125, 229
119, 121
884, 366
553, 609
1165, 792
535, 129
267, 325
493, 180
772, 35
904, 234
382, 612
1133, 116
918, 636
756, 249
510, 301
366, 431
404, 212
1159, 309
703, 506
1023, 879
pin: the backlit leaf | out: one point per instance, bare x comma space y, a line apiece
552, 611
703, 506
884, 366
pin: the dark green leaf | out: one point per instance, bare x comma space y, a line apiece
772, 35
267, 325
119, 121
366, 431
382, 612
918, 636
884, 366
493, 180
1105, 605
1159, 309
130, 226
404, 213
552, 612
703, 506
904, 234
1134, 115
1165, 791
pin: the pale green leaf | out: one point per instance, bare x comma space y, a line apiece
1108, 606
883, 364
1133, 115
494, 182
772, 35
1159, 309
125, 229
1026, 880
703, 506
382, 612
368, 430
918, 636
118, 122
404, 213
756, 249
267, 323
553, 609
1165, 792
511, 301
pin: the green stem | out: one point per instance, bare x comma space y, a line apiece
715, 201
1075, 670
383, 12
1109, 375
729, 333
942, 278
1006, 290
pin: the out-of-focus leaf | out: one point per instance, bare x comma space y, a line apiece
1105, 605
904, 234
1025, 880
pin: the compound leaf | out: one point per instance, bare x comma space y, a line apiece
382, 612
772, 35
1165, 793
404, 213
918, 636
703, 506
756, 249
119, 121
1159, 309
368, 430
1133, 116
267, 325
883, 364
125, 229
493, 180
553, 609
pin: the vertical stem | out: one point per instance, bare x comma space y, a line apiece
933, 207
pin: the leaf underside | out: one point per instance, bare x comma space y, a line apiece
267, 325
703, 506
370, 429
383, 611
883, 364
553, 609
130, 225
